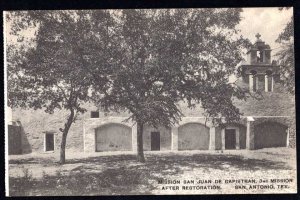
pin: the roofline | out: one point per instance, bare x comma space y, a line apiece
259, 65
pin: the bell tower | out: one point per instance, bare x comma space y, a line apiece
258, 71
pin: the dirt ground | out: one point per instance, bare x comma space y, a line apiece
271, 170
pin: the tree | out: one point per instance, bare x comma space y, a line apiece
142, 61
49, 74
285, 56
164, 57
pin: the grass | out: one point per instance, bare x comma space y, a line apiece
121, 174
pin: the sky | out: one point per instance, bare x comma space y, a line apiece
268, 22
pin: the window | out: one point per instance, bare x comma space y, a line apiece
95, 114
259, 55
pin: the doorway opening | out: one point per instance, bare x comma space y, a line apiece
155, 141
49, 142
230, 139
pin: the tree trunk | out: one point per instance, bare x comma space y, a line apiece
62, 159
140, 150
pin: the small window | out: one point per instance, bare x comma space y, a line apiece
95, 114
259, 55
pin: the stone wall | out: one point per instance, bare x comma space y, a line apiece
193, 136
92, 124
270, 134
113, 137
166, 134
277, 103
288, 122
35, 123
165, 137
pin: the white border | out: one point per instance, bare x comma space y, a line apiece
5, 106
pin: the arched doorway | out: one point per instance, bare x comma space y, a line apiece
270, 134
193, 136
113, 137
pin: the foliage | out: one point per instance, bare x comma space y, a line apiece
48, 73
163, 57
285, 56
141, 61
168, 56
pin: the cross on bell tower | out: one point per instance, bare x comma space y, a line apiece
257, 36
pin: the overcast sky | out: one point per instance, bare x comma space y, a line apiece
269, 22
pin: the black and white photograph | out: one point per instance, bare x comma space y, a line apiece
157, 101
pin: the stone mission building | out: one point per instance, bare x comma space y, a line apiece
269, 122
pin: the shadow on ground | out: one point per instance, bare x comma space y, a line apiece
121, 174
